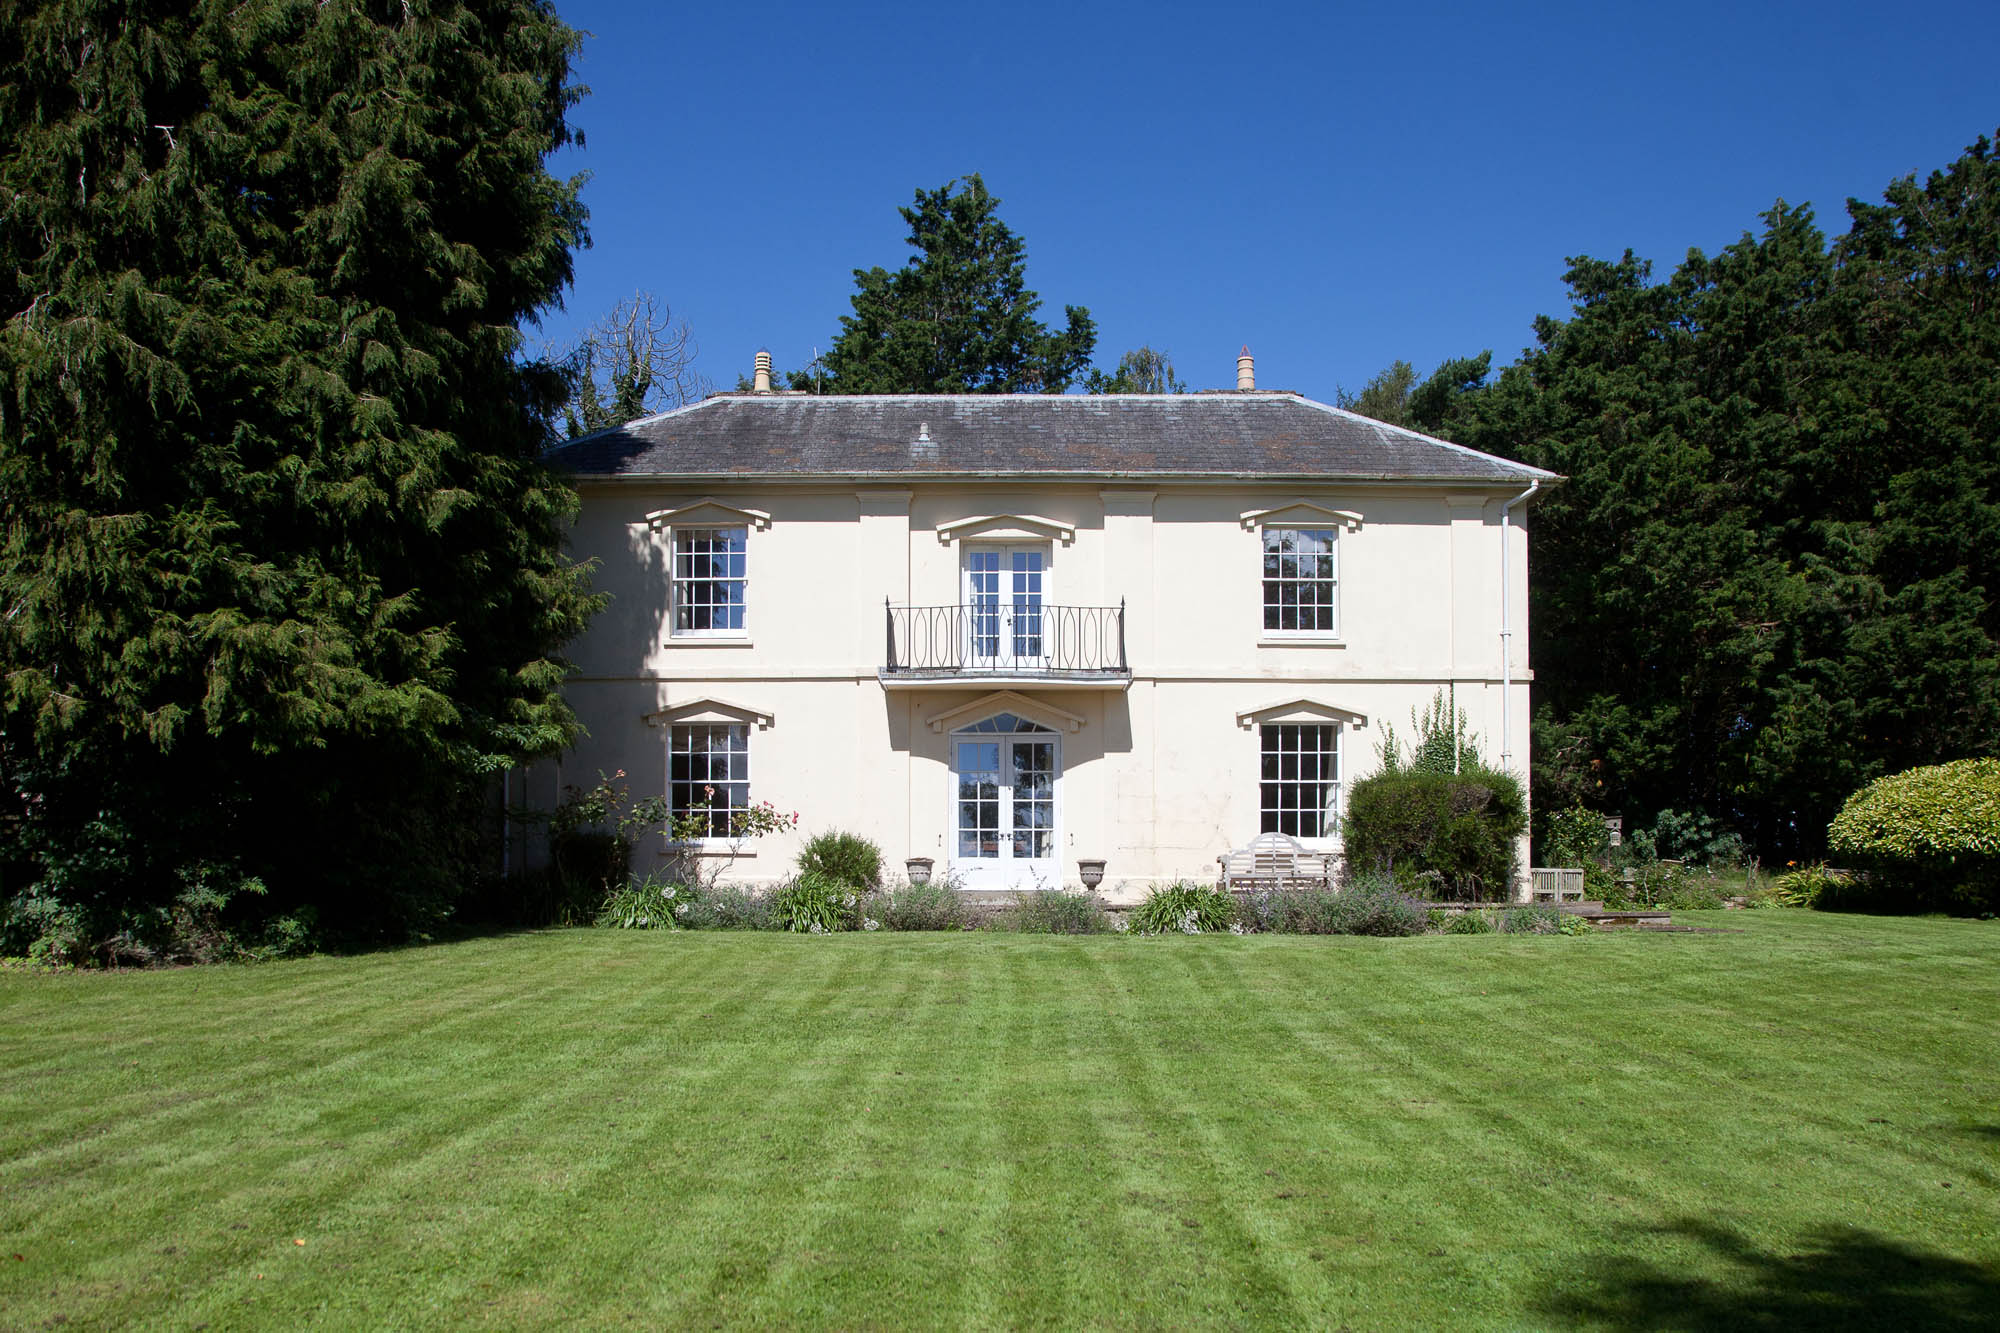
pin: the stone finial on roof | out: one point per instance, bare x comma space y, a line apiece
1246, 372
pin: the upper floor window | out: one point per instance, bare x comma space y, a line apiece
709, 580
1300, 581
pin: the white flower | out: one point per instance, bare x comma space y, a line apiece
1237, 928
847, 900
680, 909
670, 891
870, 923
816, 928
1120, 924
1190, 923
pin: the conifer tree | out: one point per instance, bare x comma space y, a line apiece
958, 317
282, 583
1773, 573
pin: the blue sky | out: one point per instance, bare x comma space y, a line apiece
1335, 185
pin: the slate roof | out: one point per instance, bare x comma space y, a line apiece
1246, 434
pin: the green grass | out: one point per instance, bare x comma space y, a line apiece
1793, 1126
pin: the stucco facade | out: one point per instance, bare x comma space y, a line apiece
1156, 753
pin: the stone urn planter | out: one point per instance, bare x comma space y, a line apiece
1090, 869
918, 868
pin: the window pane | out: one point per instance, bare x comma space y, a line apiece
708, 771
1299, 793
709, 582
1298, 579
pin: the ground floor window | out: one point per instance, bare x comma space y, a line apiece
1299, 790
708, 773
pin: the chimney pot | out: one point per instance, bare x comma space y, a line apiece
762, 382
1246, 372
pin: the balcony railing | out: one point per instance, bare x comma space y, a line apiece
1030, 641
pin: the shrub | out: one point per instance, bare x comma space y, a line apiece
1533, 921
1808, 885
726, 907
1695, 838
1462, 826
558, 894
1664, 884
1375, 905
1056, 912
1184, 909
933, 906
814, 904
1930, 835
650, 904
1470, 923
1575, 837
216, 916
1291, 911
847, 858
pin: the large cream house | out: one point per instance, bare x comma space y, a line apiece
1008, 633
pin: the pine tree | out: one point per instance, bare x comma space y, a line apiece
282, 575
958, 317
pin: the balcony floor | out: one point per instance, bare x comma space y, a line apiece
986, 677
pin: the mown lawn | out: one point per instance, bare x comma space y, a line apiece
1794, 1125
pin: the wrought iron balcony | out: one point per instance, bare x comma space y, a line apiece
1024, 641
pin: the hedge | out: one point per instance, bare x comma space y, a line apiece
1456, 830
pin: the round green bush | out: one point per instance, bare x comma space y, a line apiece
846, 857
1932, 834
1459, 827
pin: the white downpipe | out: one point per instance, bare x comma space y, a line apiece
1507, 629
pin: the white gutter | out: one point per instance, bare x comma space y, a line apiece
1507, 630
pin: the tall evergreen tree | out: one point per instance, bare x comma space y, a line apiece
1774, 571
958, 317
282, 576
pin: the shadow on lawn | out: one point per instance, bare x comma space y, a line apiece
1840, 1279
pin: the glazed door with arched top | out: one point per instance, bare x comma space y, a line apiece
1006, 772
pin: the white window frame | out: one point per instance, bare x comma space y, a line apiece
1334, 798
734, 731
1009, 636
1266, 581
1001, 872
677, 581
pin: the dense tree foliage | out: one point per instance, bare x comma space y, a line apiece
958, 317
1141, 370
282, 577
1774, 571
1396, 397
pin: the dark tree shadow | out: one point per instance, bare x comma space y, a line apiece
1843, 1278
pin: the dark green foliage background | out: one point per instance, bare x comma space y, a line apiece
1772, 573
282, 577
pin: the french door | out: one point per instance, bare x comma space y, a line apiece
1004, 775
1004, 591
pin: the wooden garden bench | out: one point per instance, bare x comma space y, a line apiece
1274, 861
